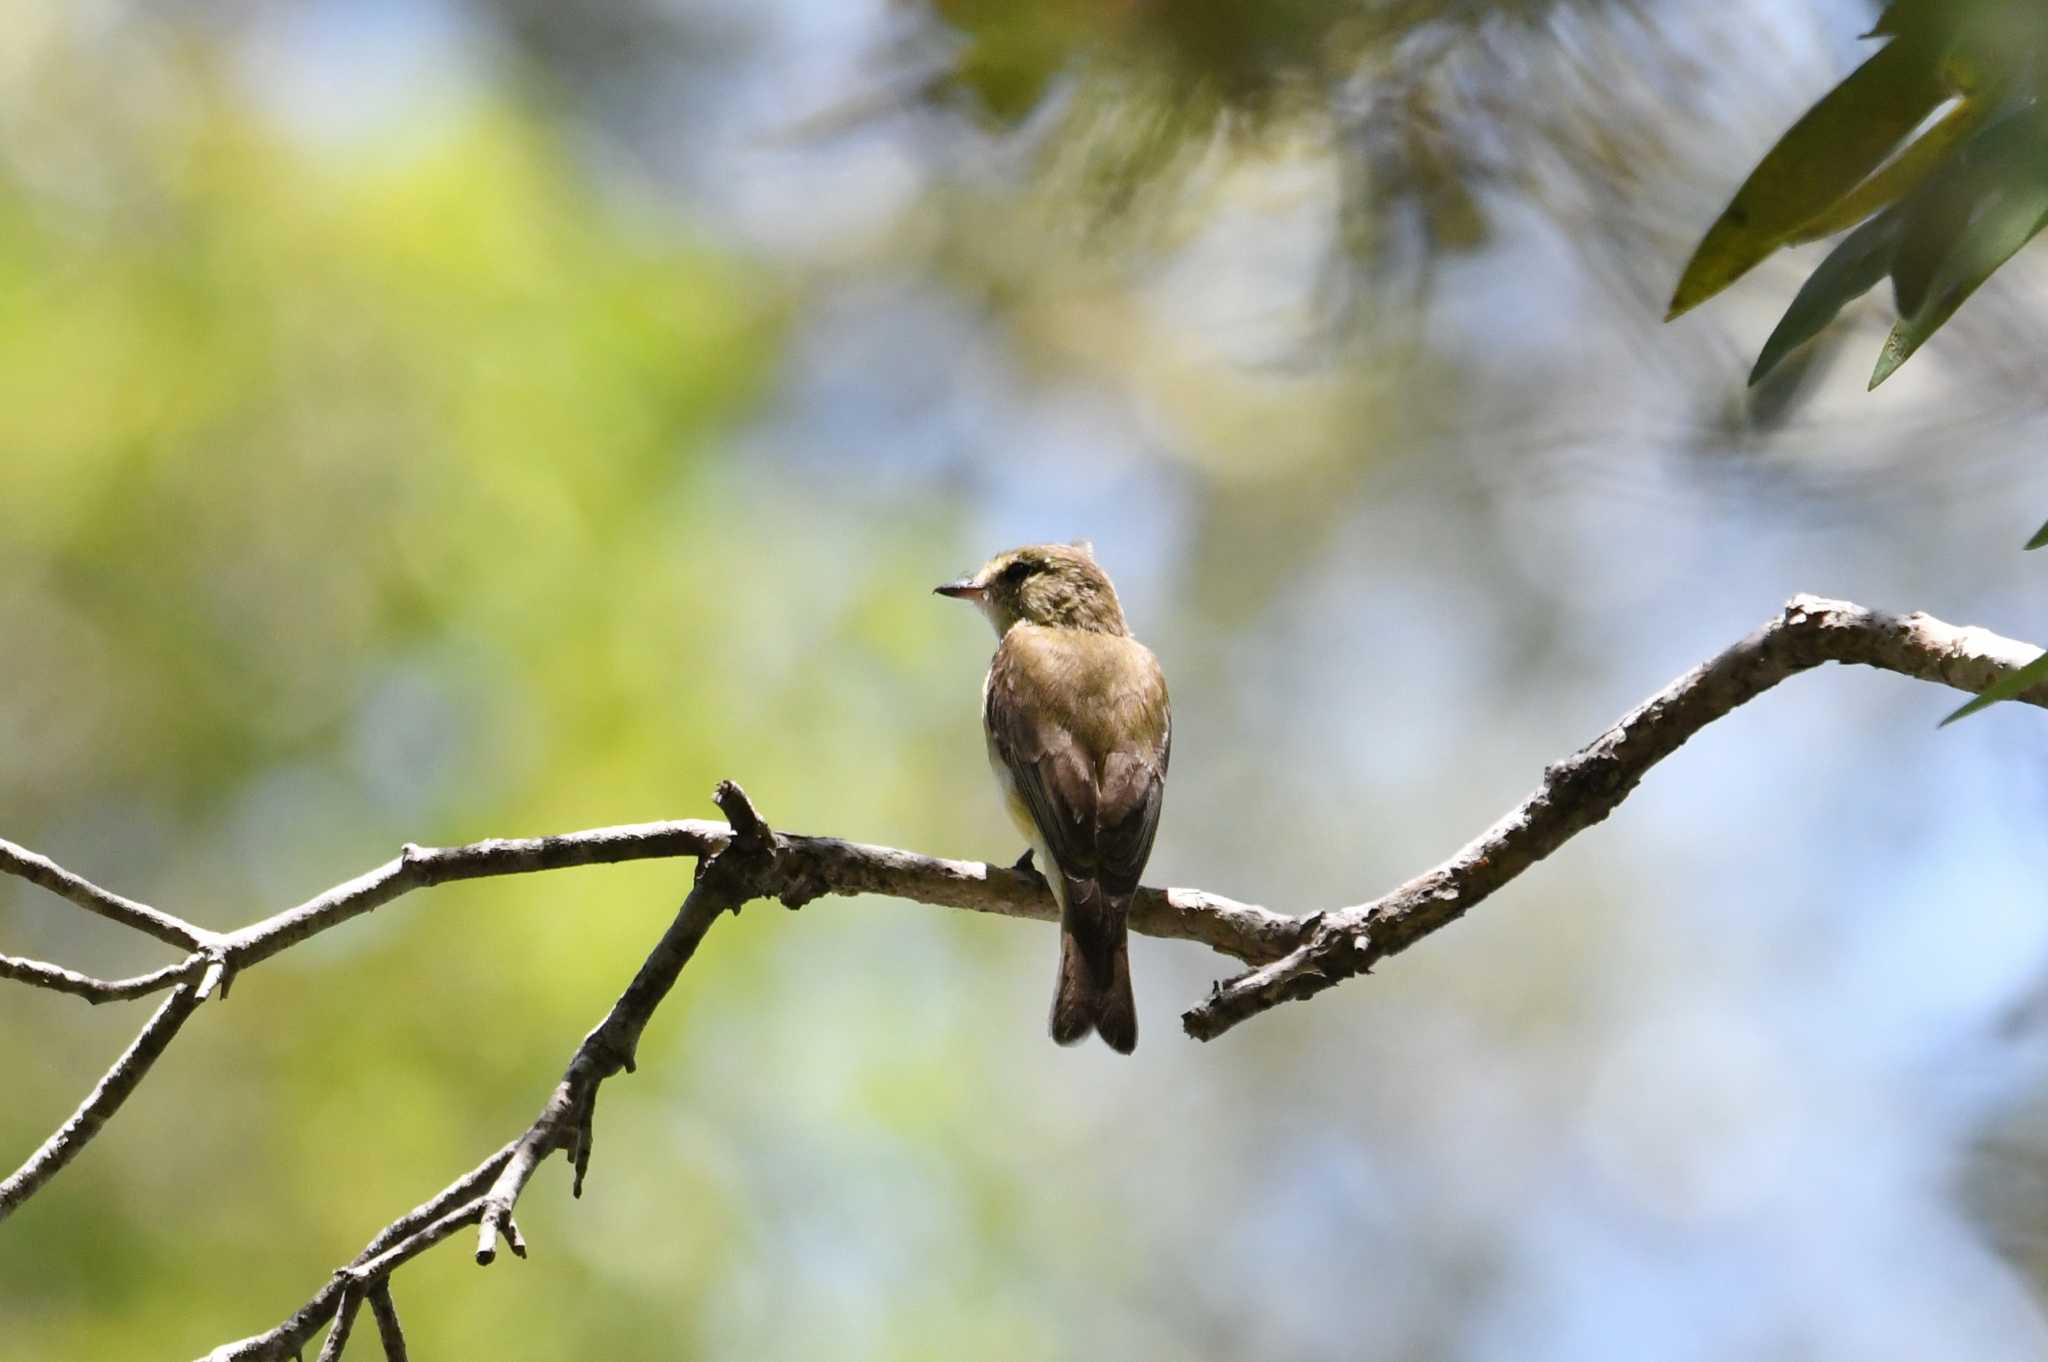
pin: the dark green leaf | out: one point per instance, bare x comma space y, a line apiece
1851, 270
1962, 227
2040, 538
1941, 209
1825, 155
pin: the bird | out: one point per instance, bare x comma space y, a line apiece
1079, 733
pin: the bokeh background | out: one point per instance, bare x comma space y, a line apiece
434, 419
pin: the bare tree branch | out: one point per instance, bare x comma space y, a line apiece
457, 1204
344, 1321
741, 870
1588, 785
154, 922
819, 865
744, 859
804, 868
62, 980
388, 1331
815, 866
104, 1100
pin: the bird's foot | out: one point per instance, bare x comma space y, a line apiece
1029, 871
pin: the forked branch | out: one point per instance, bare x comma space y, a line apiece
742, 859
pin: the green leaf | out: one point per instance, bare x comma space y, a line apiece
2040, 538
1830, 151
2005, 688
1851, 270
1941, 209
1962, 227
1898, 176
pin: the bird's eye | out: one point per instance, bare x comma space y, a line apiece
1017, 571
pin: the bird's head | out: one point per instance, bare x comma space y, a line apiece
1056, 585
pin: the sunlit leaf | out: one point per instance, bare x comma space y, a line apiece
1829, 152
2005, 688
1896, 177
1851, 270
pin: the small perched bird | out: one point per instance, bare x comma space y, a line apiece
1078, 734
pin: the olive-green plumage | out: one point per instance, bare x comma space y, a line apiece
1079, 733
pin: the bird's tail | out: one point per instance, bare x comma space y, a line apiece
1094, 990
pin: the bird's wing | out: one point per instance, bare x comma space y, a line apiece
1081, 722
1127, 809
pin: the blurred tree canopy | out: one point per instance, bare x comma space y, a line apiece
1934, 145
1134, 95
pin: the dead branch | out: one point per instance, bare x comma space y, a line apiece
743, 859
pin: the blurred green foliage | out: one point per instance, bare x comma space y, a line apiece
362, 493
413, 346
348, 498
1241, 54
1139, 95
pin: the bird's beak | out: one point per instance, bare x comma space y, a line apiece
966, 589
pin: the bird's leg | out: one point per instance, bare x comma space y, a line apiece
1029, 871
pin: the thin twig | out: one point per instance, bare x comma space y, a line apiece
422, 1239
62, 980
816, 865
41, 870
104, 1100
457, 1204
807, 868
388, 1331
738, 872
344, 1321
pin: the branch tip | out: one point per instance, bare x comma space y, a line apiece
580, 1145
215, 976
747, 823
